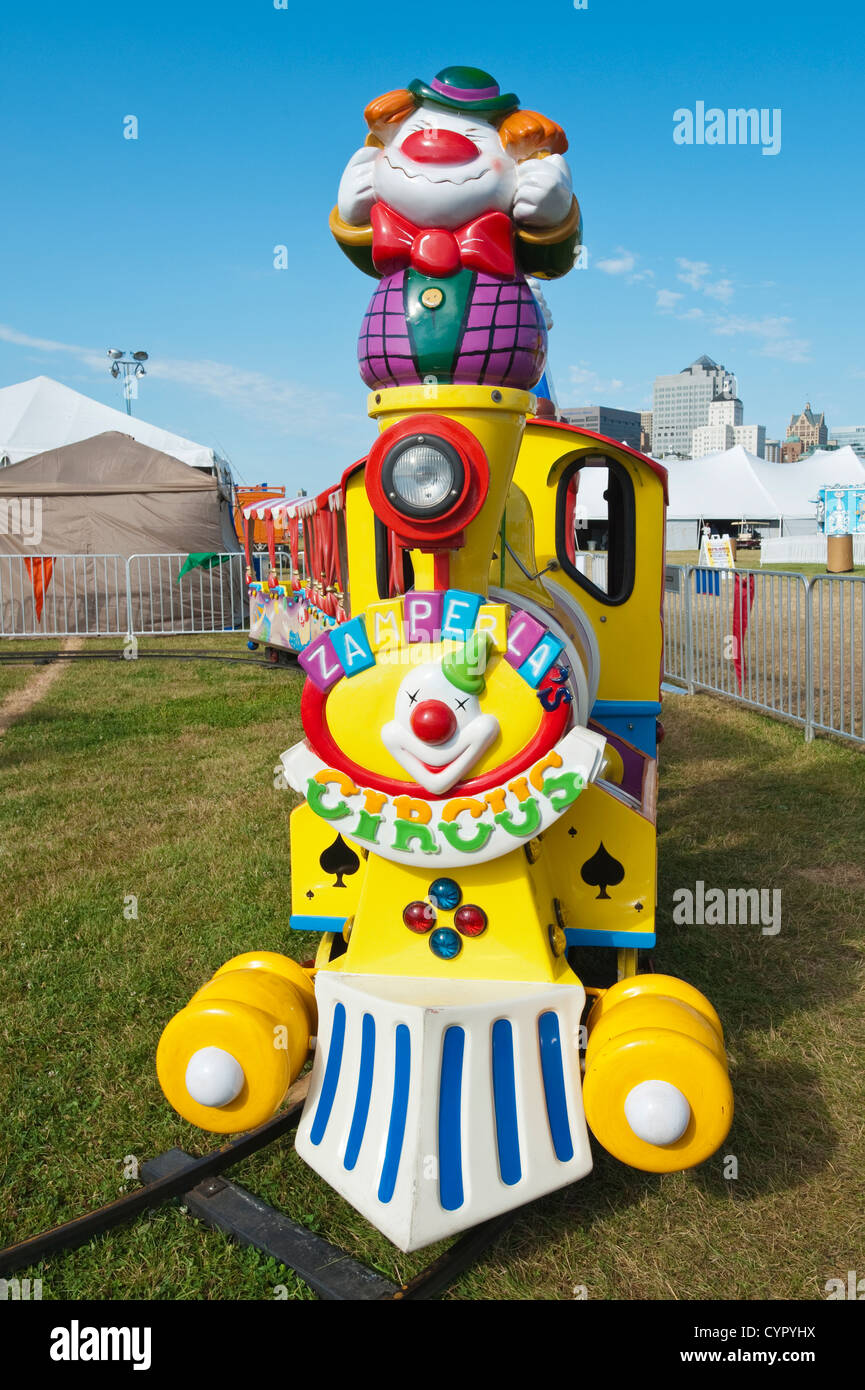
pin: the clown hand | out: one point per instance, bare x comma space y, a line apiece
544, 191
356, 192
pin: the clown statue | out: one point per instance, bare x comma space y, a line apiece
455, 197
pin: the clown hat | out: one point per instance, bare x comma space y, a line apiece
465, 666
465, 89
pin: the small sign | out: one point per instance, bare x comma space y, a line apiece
672, 579
717, 553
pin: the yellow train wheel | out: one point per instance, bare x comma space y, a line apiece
655, 1081
667, 985
284, 967
244, 1034
274, 996
642, 1012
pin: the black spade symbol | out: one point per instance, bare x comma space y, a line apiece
339, 858
602, 871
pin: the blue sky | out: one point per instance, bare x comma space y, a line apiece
246, 117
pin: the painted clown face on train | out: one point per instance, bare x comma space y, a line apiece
439, 731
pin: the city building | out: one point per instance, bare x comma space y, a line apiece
854, 435
772, 451
645, 431
681, 404
725, 430
810, 429
752, 438
792, 449
621, 425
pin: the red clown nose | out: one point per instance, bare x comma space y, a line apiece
439, 147
433, 721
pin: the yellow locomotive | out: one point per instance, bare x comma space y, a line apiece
479, 764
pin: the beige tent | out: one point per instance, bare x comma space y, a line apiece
115, 500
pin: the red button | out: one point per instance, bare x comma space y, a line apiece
433, 721
470, 920
439, 147
419, 916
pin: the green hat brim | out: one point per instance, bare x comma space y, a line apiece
497, 106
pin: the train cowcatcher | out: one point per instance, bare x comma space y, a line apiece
480, 711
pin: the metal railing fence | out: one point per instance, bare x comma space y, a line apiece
110, 596
63, 596
776, 641
204, 600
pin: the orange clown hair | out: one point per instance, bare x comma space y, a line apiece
522, 133
385, 113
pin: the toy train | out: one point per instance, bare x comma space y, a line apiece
480, 712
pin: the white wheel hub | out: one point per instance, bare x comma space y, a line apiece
214, 1077
657, 1112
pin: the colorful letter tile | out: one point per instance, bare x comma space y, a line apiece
320, 662
540, 659
351, 645
524, 633
493, 618
459, 614
423, 615
384, 624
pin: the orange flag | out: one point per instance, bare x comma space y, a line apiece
40, 570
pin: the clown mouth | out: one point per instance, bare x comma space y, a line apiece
436, 767
421, 174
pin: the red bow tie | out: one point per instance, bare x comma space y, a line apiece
484, 244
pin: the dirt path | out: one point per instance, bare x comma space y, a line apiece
20, 702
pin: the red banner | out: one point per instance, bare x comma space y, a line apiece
743, 597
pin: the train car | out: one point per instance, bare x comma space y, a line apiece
288, 610
480, 711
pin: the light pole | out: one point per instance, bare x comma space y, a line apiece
132, 368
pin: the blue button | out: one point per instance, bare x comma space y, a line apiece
445, 943
445, 893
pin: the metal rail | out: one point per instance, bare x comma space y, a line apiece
41, 658
77, 1232
331, 1272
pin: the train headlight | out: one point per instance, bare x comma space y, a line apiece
427, 477
423, 476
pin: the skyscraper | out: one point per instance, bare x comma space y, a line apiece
681, 404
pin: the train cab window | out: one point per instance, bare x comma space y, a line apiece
595, 527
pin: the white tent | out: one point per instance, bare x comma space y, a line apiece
794, 486
736, 485
43, 414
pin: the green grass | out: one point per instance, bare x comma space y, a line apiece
155, 779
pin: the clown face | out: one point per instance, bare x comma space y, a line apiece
438, 731
442, 168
